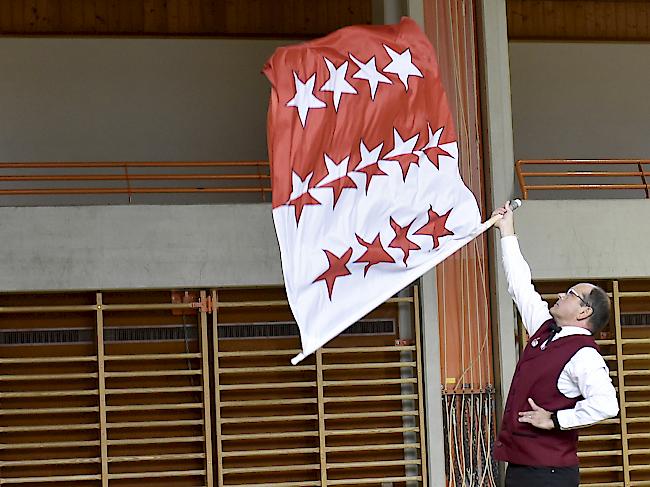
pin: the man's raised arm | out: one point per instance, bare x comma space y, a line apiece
532, 308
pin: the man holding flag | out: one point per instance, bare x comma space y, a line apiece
561, 382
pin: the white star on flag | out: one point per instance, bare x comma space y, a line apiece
334, 171
298, 185
337, 82
304, 98
368, 71
402, 66
401, 147
369, 157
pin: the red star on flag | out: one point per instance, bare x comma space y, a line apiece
337, 177
401, 240
435, 227
300, 202
300, 196
403, 151
371, 171
369, 164
337, 268
405, 161
432, 151
374, 254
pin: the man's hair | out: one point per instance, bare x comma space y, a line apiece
601, 307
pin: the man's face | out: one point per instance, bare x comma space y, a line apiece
573, 305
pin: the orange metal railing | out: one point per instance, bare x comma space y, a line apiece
131, 178
583, 174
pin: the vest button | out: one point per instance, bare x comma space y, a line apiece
498, 443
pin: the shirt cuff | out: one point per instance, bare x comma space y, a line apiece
566, 419
509, 242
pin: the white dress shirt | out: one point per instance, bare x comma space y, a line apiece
586, 373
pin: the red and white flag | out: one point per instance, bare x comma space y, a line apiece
367, 195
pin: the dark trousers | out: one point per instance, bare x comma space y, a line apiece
526, 476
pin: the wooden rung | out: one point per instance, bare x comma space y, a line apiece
599, 437
636, 372
55, 461
269, 419
90, 375
270, 385
639, 451
638, 436
371, 365
609, 468
58, 478
37, 411
373, 480
152, 356
47, 360
605, 342
263, 453
48, 444
144, 475
369, 382
153, 458
274, 468
397, 397
155, 407
153, 390
373, 414
636, 388
259, 353
625, 341
48, 427
250, 304
89, 392
156, 441
382, 463
599, 453
396, 446
406, 348
153, 373
606, 484
268, 402
262, 370
639, 356
159, 424
637, 420
371, 431
269, 436
304, 483
609, 357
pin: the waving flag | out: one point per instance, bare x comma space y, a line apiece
367, 195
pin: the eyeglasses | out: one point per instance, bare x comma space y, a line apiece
573, 291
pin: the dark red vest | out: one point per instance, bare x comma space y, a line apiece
536, 376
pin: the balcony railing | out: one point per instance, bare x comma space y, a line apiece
28, 183
626, 178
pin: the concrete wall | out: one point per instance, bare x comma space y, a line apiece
580, 100
585, 239
131, 247
133, 99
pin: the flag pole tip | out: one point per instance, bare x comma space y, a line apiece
297, 358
